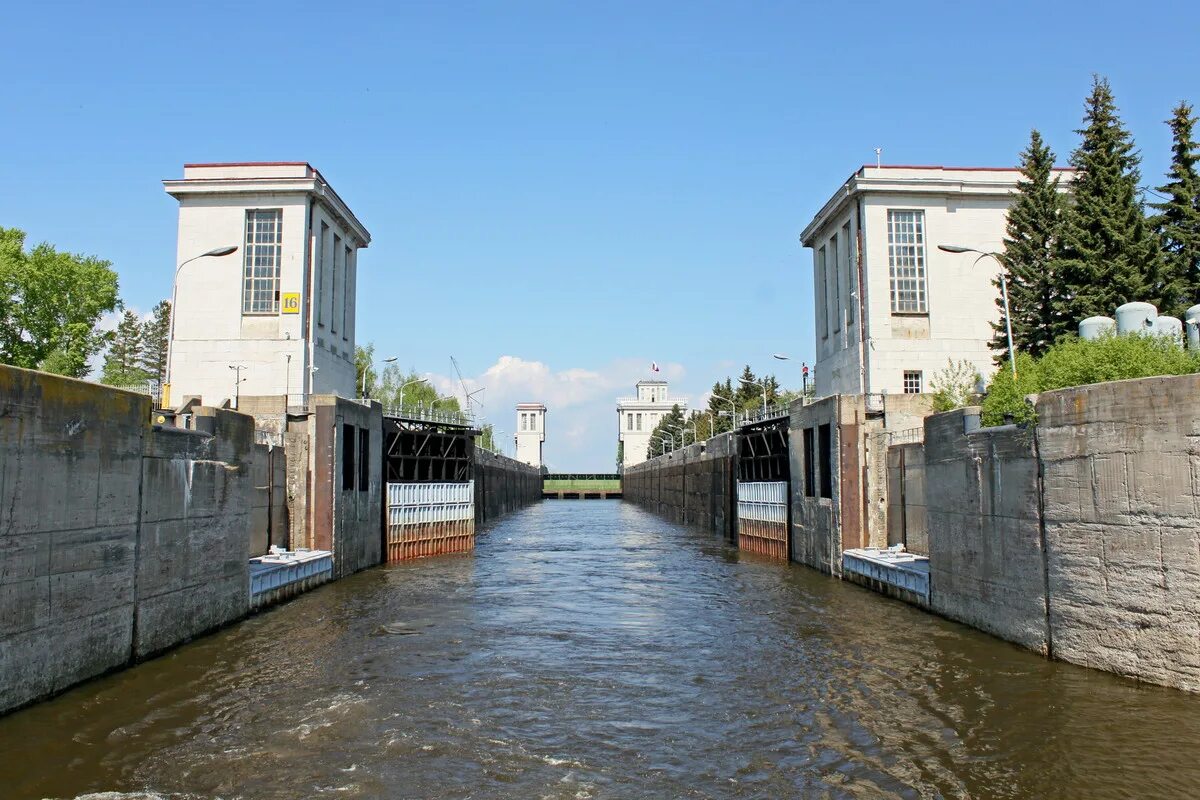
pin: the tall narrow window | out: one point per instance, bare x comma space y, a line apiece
364, 459
906, 261
822, 310
346, 291
348, 465
629, 423
261, 261
320, 298
825, 444
851, 276
836, 268
333, 308
639, 422
810, 463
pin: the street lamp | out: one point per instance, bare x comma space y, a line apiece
999, 259
237, 383
404, 386
803, 372
732, 412
764, 388
216, 252
367, 369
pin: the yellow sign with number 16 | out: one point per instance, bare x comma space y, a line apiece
291, 303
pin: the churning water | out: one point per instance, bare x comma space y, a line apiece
589, 649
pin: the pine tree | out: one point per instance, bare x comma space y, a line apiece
1035, 222
122, 363
748, 389
1109, 255
1178, 220
156, 332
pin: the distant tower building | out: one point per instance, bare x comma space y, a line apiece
531, 433
638, 416
278, 313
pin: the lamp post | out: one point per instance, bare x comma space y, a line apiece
237, 383
404, 386
999, 259
732, 412
367, 369
803, 373
763, 384
216, 252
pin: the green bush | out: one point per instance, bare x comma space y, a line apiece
954, 386
1006, 396
1075, 362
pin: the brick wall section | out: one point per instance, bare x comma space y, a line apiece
695, 485
985, 551
1122, 473
116, 539
503, 485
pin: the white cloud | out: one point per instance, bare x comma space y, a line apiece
581, 428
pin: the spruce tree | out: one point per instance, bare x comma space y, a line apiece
748, 389
1178, 220
1109, 254
156, 332
1033, 235
122, 363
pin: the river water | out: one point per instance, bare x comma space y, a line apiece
589, 649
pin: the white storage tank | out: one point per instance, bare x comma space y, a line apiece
1095, 327
1191, 319
1170, 326
1136, 318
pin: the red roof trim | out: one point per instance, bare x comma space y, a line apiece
957, 169
250, 164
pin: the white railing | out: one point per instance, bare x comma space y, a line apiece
422, 414
666, 403
760, 414
148, 387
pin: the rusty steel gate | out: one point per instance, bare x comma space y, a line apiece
430, 519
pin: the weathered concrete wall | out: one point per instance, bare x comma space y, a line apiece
696, 485
269, 510
906, 520
503, 485
346, 500
195, 525
116, 539
1121, 465
826, 492
985, 546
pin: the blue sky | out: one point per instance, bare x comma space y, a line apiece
559, 193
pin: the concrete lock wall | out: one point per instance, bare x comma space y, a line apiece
117, 539
1121, 465
345, 501
503, 485
696, 485
985, 550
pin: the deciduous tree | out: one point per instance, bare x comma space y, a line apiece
50, 304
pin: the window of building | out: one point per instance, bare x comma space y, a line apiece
825, 445
348, 465
333, 315
364, 459
810, 463
262, 259
906, 261
836, 268
851, 275
912, 381
320, 299
347, 260
639, 422
629, 423
822, 311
